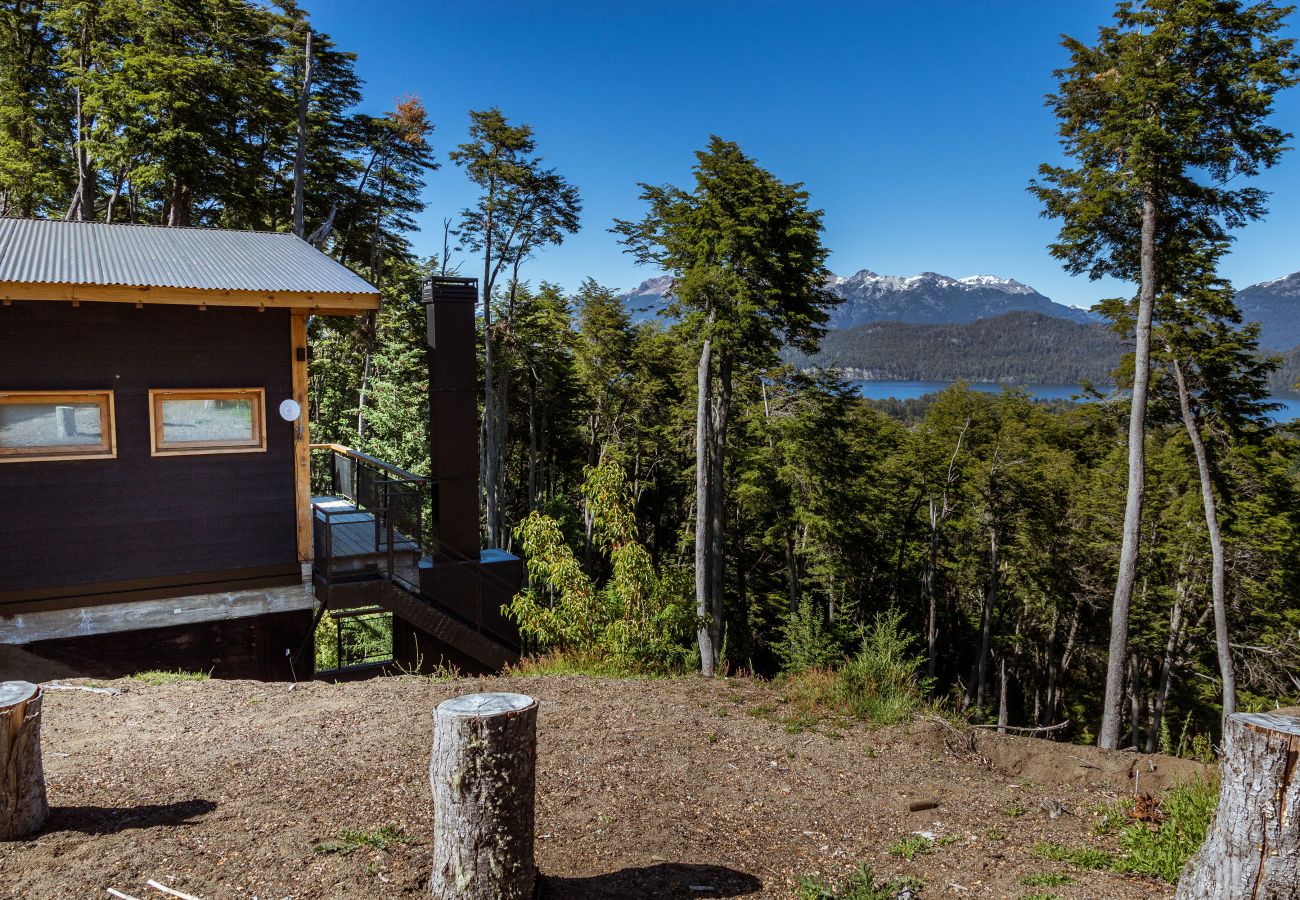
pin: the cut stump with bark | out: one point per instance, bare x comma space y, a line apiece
1252, 851
483, 774
23, 807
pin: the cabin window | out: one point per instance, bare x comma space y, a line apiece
52, 425
207, 421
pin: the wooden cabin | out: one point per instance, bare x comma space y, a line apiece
159, 506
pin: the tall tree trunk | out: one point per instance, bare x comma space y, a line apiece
363, 393
703, 517
533, 463
1002, 694
178, 205
1161, 695
986, 622
1135, 698
489, 467
1224, 650
1112, 708
791, 572
300, 154
119, 179
82, 207
927, 587
717, 502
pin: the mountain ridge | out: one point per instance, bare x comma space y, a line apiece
932, 298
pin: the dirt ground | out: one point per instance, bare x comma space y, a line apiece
645, 789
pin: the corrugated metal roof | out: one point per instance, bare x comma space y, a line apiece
53, 252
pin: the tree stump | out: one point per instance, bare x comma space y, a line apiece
1252, 851
22, 783
483, 776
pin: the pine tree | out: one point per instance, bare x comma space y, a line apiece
746, 256
1160, 118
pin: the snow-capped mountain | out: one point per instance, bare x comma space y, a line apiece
925, 298
1275, 305
933, 298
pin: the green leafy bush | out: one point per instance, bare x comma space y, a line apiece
807, 641
861, 885
1163, 849
638, 621
881, 684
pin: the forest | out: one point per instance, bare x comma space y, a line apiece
684, 498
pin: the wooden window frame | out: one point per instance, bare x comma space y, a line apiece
107, 447
159, 447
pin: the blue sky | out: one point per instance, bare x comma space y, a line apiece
915, 125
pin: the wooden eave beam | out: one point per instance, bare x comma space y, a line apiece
321, 304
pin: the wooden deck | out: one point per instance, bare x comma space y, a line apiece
354, 540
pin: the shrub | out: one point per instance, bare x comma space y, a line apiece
861, 885
1162, 849
882, 684
807, 641
639, 620
912, 846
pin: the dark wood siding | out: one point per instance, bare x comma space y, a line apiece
75, 524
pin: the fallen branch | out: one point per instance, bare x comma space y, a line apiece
171, 891
55, 686
121, 896
1058, 726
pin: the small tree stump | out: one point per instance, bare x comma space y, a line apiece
23, 808
1252, 851
483, 775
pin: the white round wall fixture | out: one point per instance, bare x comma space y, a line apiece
290, 410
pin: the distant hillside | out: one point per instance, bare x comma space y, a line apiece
1286, 380
1016, 348
924, 298
1276, 306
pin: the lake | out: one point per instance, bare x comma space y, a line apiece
910, 390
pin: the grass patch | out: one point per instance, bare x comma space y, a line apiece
1046, 879
1014, 810
861, 885
912, 846
881, 685
1161, 849
592, 665
155, 677
1083, 857
1041, 896
351, 841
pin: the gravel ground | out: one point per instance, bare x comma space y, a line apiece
224, 789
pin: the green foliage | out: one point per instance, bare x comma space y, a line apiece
912, 846
807, 641
350, 841
638, 619
1162, 849
861, 885
881, 684
156, 677
1046, 879
1083, 857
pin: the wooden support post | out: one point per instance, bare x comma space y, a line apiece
483, 776
1252, 851
23, 808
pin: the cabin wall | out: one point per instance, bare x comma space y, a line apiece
252, 647
79, 532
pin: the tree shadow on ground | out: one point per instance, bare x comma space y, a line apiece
112, 819
663, 880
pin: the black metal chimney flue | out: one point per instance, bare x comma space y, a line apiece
449, 305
